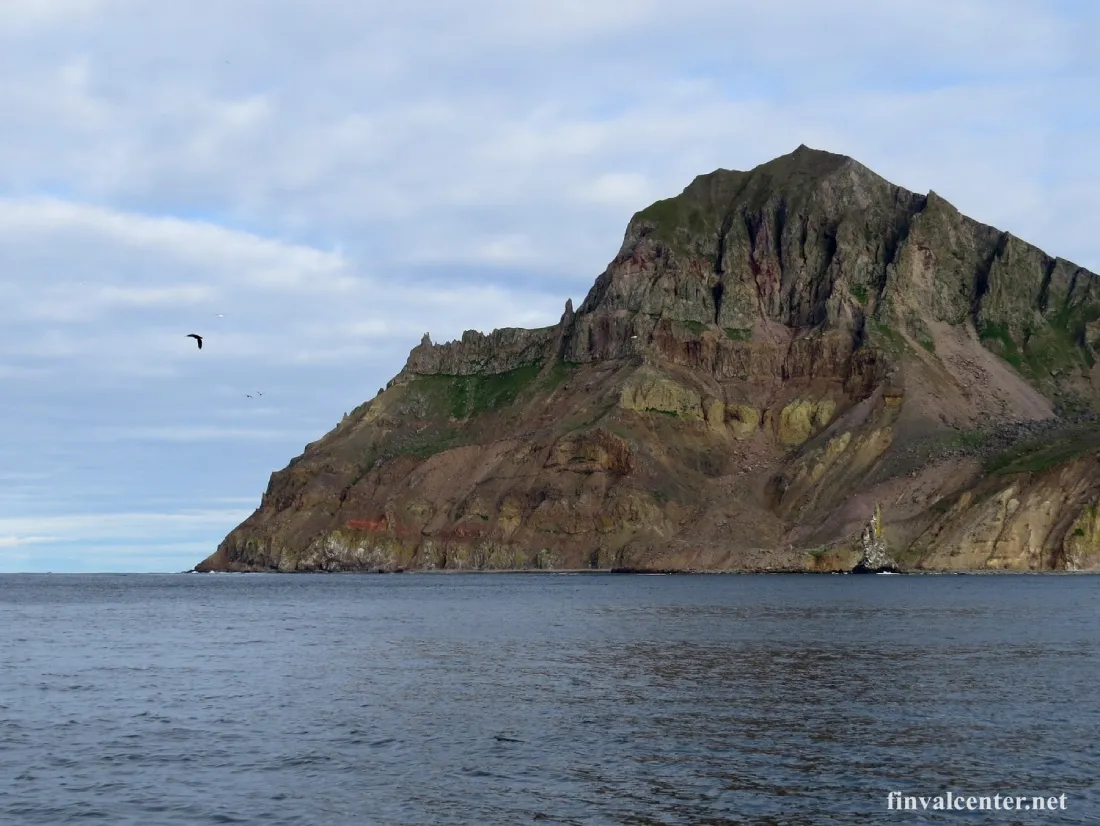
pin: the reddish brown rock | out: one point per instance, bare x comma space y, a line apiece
769, 356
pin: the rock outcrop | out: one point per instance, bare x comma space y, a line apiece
769, 355
875, 558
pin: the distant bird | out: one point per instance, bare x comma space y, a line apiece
258, 393
247, 395
219, 315
197, 338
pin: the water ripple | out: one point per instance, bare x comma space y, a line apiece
539, 699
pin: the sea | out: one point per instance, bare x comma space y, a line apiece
586, 699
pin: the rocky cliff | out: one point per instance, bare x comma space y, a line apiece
772, 357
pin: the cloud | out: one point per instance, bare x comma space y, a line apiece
254, 299
17, 541
22, 17
112, 541
106, 557
621, 189
185, 433
338, 178
249, 258
423, 160
78, 527
313, 148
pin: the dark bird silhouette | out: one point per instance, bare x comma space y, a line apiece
258, 393
247, 395
197, 338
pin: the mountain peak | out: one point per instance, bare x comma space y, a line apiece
815, 241
772, 353
792, 179
808, 159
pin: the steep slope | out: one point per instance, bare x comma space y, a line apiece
770, 355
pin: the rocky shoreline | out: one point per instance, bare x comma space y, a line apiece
684, 572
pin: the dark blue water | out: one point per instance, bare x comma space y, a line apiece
509, 699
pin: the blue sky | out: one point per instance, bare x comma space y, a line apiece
339, 177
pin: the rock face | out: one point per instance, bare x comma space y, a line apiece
875, 558
770, 354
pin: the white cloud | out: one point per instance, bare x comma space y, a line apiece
186, 433
621, 189
75, 302
18, 541
97, 527
317, 148
21, 17
165, 541
278, 302
508, 250
258, 261
143, 557
339, 178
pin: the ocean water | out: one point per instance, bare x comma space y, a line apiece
574, 699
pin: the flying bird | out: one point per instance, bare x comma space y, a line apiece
219, 315
197, 338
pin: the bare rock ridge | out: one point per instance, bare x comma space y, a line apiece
771, 358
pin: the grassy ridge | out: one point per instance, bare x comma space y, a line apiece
1037, 455
463, 397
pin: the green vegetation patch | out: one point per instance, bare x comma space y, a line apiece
697, 327
1073, 319
887, 338
665, 214
735, 334
582, 424
680, 225
998, 339
1055, 347
859, 292
559, 371
968, 441
964, 442
465, 396
1052, 351
431, 444
1062, 345
1038, 455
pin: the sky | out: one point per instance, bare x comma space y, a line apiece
314, 184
